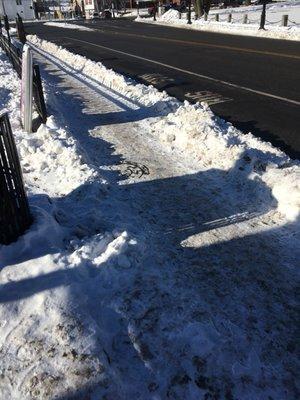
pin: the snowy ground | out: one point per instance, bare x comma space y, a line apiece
162, 260
236, 27
143, 12
68, 26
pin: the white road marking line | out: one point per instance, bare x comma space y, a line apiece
259, 92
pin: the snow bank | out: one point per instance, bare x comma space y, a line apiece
272, 31
141, 94
69, 26
197, 131
194, 128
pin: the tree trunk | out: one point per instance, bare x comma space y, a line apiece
199, 10
206, 6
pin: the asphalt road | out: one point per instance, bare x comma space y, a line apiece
252, 82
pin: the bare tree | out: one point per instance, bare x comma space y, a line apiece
202, 7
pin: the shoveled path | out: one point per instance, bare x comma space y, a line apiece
201, 66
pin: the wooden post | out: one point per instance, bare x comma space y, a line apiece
229, 18
245, 19
284, 20
217, 17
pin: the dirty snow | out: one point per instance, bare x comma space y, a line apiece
162, 258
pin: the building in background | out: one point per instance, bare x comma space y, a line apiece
85, 7
24, 8
90, 7
52, 9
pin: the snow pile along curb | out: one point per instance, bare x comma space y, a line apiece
194, 128
141, 94
197, 131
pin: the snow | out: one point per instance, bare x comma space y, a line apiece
68, 26
133, 13
162, 258
236, 27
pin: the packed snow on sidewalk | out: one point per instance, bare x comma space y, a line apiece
273, 28
161, 263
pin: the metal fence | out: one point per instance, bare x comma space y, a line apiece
14, 210
38, 94
13, 53
15, 56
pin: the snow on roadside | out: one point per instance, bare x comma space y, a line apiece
171, 18
197, 131
69, 26
193, 128
139, 93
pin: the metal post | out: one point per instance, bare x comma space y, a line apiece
263, 16
137, 8
26, 92
229, 18
6, 26
245, 19
20, 29
217, 17
189, 12
284, 20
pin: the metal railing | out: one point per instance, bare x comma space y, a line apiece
14, 54
14, 209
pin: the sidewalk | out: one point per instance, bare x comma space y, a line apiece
155, 269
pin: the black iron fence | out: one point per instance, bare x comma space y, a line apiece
38, 94
14, 210
14, 54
